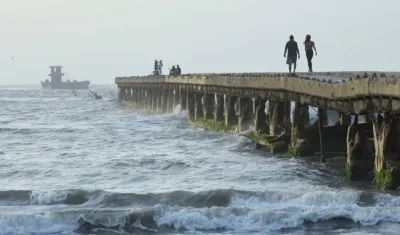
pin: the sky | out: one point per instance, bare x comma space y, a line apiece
98, 40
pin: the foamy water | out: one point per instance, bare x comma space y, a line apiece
77, 165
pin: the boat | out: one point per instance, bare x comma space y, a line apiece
58, 81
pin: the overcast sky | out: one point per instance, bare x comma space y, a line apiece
101, 39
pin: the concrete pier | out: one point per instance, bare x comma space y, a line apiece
260, 104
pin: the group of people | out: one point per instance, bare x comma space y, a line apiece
175, 70
293, 53
158, 69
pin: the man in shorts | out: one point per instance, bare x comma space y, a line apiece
293, 52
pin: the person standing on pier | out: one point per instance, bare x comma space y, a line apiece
160, 65
309, 46
156, 67
293, 52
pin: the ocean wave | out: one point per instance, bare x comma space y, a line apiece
215, 210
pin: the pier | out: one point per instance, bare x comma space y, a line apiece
273, 109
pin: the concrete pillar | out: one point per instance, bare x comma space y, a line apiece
159, 98
143, 95
164, 100
260, 116
198, 112
305, 114
323, 116
190, 105
208, 106
322, 119
358, 164
175, 99
150, 103
153, 106
299, 145
219, 108
386, 131
343, 119
286, 113
182, 98
170, 101
276, 117
229, 110
367, 118
245, 106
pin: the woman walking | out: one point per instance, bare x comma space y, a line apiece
309, 45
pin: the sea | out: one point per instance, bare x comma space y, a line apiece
70, 164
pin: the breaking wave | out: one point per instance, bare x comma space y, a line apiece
222, 209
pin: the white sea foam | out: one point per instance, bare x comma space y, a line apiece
47, 196
279, 212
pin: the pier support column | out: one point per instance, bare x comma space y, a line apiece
219, 108
146, 99
198, 112
299, 145
175, 99
159, 100
153, 96
278, 141
150, 93
260, 116
386, 132
276, 117
170, 101
245, 106
322, 119
323, 116
132, 100
208, 104
344, 119
229, 110
164, 100
359, 162
182, 98
143, 97
190, 105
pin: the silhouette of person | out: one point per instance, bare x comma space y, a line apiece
309, 46
293, 52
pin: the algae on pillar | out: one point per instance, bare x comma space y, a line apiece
386, 132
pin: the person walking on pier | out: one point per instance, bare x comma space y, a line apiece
309, 46
293, 52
